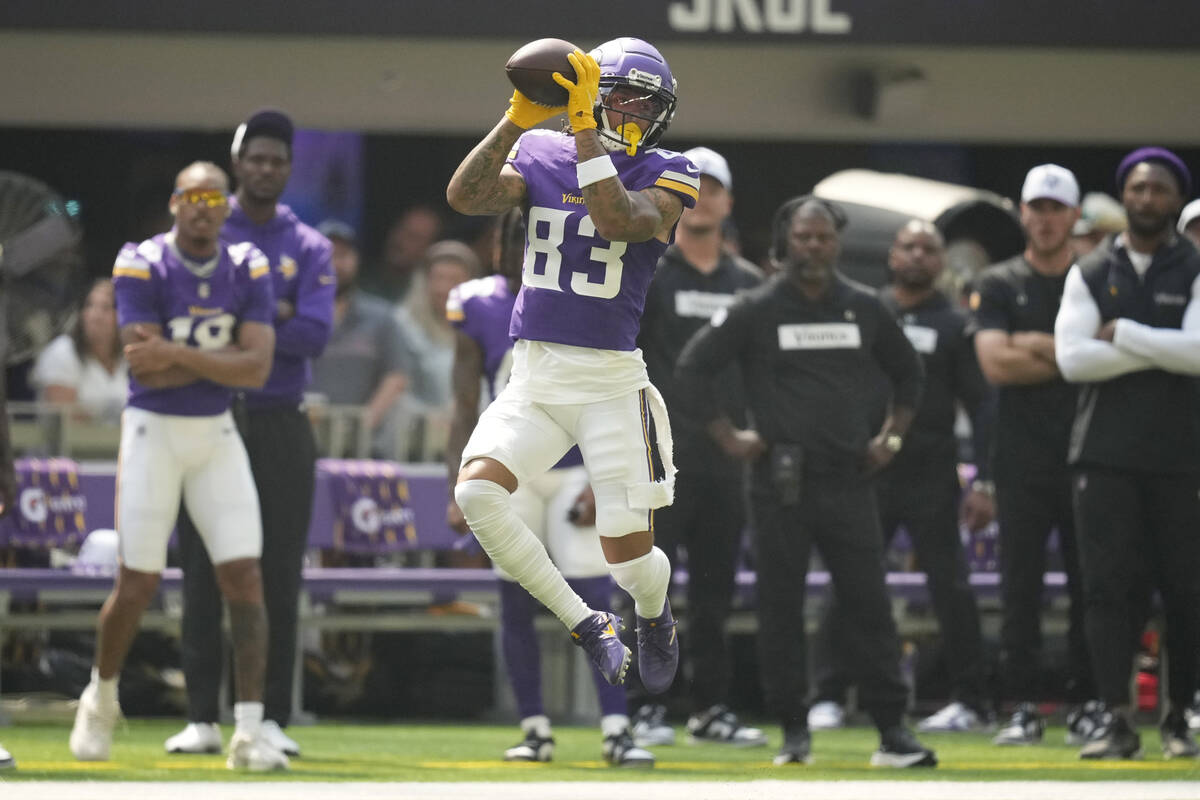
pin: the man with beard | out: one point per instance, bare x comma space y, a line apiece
920, 488
1014, 305
695, 277
367, 362
810, 344
1129, 333
278, 436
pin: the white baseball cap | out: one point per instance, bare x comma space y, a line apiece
713, 164
1190, 213
1052, 182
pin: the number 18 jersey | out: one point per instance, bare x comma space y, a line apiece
199, 305
578, 288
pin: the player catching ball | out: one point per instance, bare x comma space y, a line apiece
601, 202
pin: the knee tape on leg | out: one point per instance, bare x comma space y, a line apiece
482, 502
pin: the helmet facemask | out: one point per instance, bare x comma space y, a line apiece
637, 87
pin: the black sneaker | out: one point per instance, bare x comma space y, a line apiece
899, 748
797, 745
1177, 741
1083, 722
620, 751
719, 724
533, 748
1114, 739
1024, 728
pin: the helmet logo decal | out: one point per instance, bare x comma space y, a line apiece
643, 78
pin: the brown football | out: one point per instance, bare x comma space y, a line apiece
531, 67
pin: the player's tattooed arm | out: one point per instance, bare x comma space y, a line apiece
483, 183
624, 216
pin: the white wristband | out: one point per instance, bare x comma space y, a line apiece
594, 170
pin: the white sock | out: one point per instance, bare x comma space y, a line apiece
539, 725
512, 545
647, 579
248, 716
106, 690
613, 725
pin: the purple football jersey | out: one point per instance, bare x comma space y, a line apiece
302, 274
153, 285
482, 308
577, 287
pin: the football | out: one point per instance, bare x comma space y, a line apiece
531, 68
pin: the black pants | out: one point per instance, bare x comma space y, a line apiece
1139, 530
1027, 510
282, 456
840, 517
926, 504
706, 521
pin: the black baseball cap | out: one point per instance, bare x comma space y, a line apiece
265, 122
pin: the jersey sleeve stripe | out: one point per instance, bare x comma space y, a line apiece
131, 272
690, 180
258, 272
676, 186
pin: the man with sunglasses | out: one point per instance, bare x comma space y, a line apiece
195, 315
601, 204
277, 433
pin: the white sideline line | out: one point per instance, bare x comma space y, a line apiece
606, 790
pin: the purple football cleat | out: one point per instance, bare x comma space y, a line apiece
658, 651
598, 636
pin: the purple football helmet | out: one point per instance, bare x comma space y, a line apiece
645, 94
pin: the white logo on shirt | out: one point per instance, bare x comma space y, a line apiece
1164, 299
923, 339
700, 304
820, 336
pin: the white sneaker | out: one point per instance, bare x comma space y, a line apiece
256, 754
650, 728
6, 759
953, 718
279, 740
92, 735
197, 737
826, 716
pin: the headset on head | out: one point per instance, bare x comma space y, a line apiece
783, 220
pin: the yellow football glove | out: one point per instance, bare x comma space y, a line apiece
524, 113
581, 94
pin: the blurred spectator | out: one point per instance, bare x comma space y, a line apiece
1014, 306
697, 276
422, 319
1099, 215
1189, 222
920, 490
85, 367
367, 360
404, 246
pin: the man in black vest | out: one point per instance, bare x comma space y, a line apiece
1128, 331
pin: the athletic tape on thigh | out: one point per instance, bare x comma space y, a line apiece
659, 493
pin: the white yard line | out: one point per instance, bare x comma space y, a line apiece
691, 790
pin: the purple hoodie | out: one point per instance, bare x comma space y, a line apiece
302, 274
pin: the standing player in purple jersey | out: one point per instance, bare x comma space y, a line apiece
213, 303
601, 203
558, 507
279, 438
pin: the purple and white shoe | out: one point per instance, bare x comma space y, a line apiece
658, 651
598, 636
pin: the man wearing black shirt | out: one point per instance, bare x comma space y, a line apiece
920, 488
1014, 305
809, 344
1129, 333
695, 277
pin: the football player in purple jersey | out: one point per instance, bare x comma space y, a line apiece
558, 506
278, 436
601, 202
195, 315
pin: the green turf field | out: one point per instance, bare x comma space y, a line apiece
469, 752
